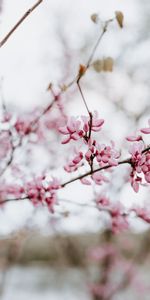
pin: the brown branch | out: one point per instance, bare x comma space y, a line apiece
125, 161
83, 98
13, 199
21, 20
83, 69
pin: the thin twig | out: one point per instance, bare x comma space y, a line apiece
21, 20
98, 42
13, 199
86, 67
82, 96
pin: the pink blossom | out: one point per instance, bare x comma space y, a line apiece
85, 181
39, 194
135, 181
71, 130
96, 122
133, 138
140, 162
22, 127
143, 213
76, 129
107, 155
15, 190
119, 223
102, 201
136, 149
146, 130
75, 163
91, 152
78, 158
6, 117
11, 191
99, 178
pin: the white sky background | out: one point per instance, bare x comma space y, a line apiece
28, 61
33, 57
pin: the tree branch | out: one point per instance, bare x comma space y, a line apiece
125, 161
13, 199
21, 20
98, 42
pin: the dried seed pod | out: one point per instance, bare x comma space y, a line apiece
119, 18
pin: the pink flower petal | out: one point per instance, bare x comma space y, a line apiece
65, 141
63, 130
133, 138
145, 130
85, 181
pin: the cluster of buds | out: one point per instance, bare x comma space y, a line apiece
94, 153
23, 127
140, 160
118, 216
104, 154
43, 193
38, 191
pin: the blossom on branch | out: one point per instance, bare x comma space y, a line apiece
75, 163
146, 130
76, 129
40, 193
140, 163
107, 155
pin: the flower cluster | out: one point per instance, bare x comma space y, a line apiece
10, 190
140, 159
94, 153
119, 219
38, 191
140, 162
118, 216
75, 163
143, 213
76, 129
41, 192
107, 155
23, 127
